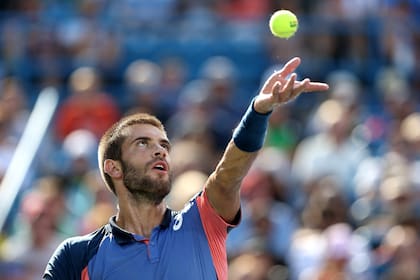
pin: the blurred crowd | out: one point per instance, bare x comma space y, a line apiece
334, 194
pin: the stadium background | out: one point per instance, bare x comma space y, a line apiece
334, 192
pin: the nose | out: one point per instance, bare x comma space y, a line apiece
160, 151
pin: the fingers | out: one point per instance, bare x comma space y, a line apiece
307, 86
289, 87
300, 87
316, 86
295, 88
281, 75
284, 93
304, 86
283, 83
290, 66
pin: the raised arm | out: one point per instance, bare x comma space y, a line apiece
223, 185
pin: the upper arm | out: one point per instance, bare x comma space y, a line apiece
60, 265
223, 185
71, 258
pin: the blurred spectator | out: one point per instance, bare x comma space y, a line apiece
268, 221
400, 250
154, 87
142, 80
14, 113
326, 204
88, 39
398, 38
174, 77
399, 200
190, 154
338, 177
346, 90
84, 190
283, 132
337, 252
142, 13
87, 107
192, 118
102, 204
254, 264
13, 48
410, 133
223, 101
395, 102
346, 9
326, 243
331, 151
14, 105
37, 235
243, 10
97, 216
44, 51
79, 153
189, 127
185, 186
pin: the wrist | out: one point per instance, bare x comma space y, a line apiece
250, 134
261, 106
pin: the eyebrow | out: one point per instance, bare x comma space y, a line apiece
163, 140
139, 138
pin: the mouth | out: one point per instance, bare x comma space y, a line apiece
160, 166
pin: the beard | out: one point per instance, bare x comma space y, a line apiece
144, 188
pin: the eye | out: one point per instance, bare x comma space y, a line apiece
142, 143
166, 146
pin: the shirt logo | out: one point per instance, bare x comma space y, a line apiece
178, 219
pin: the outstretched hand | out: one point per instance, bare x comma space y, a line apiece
282, 87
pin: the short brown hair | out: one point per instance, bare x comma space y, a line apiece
110, 144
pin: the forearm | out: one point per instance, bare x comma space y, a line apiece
248, 138
232, 168
224, 183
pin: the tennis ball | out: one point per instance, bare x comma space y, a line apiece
283, 23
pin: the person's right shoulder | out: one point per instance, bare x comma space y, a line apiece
72, 256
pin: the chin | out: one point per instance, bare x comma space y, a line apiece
163, 185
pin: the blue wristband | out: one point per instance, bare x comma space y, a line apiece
250, 134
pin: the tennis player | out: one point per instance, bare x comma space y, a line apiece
146, 240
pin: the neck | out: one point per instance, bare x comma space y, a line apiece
139, 217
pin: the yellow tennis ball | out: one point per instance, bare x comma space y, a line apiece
283, 23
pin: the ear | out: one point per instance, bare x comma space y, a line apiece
113, 168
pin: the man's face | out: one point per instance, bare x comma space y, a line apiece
146, 163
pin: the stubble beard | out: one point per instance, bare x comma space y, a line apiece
142, 187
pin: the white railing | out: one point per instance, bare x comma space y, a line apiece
26, 149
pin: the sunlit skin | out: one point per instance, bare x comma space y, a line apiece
282, 87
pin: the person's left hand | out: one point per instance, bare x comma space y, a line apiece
282, 87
